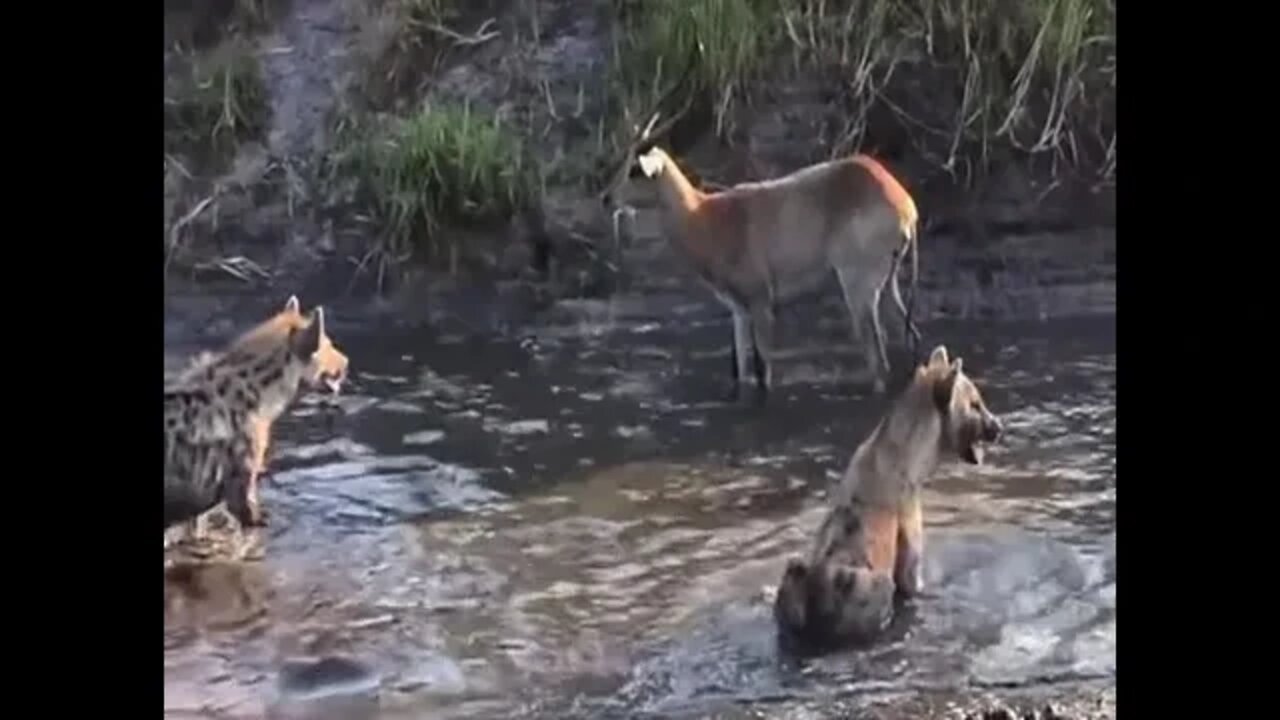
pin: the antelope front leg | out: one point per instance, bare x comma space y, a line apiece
743, 348
762, 315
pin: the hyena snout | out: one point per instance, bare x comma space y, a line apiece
991, 428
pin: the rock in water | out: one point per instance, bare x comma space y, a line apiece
329, 688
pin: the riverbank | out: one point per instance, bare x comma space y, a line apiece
342, 144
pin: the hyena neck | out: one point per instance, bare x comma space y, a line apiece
915, 425
263, 384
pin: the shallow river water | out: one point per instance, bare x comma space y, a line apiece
571, 521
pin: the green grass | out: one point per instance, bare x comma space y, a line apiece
658, 37
444, 167
214, 102
1025, 68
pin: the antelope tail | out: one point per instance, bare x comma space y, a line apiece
913, 246
910, 245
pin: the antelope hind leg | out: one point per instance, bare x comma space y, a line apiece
860, 295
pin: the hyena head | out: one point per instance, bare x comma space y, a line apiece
967, 424
326, 365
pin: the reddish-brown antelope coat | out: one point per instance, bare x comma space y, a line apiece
762, 243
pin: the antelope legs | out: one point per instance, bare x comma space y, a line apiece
762, 325
862, 298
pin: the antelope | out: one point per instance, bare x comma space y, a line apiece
758, 244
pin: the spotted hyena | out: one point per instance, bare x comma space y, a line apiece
869, 546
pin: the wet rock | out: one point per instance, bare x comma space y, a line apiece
329, 688
425, 437
525, 427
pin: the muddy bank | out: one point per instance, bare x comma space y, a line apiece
1031, 277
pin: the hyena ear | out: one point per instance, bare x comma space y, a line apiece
938, 358
946, 386
306, 340
292, 305
651, 162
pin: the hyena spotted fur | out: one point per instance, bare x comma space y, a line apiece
219, 410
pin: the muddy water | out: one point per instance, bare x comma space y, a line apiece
570, 521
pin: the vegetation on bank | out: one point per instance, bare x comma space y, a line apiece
194, 25
448, 164
214, 101
1031, 72
961, 75
402, 43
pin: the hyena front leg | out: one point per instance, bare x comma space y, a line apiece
257, 468
908, 569
240, 491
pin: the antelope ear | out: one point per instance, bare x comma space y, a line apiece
957, 366
938, 358
292, 305
651, 162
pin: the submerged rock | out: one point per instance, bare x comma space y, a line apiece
329, 688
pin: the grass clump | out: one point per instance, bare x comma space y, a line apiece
445, 166
1027, 70
213, 103
728, 41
